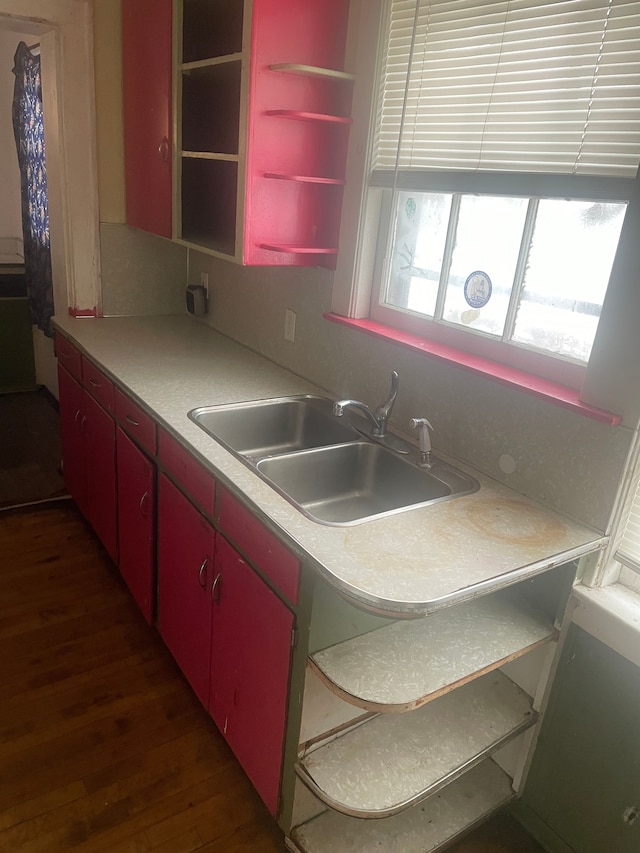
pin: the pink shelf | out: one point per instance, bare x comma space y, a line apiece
299, 115
291, 249
304, 179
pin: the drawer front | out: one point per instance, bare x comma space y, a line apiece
187, 471
260, 545
97, 384
137, 423
68, 356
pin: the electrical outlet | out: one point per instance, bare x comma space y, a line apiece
204, 281
289, 325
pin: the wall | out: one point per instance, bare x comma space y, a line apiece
108, 83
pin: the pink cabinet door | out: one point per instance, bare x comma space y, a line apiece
250, 660
146, 69
185, 575
136, 521
73, 454
99, 431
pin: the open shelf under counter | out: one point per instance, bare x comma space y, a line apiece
312, 71
424, 828
390, 762
403, 665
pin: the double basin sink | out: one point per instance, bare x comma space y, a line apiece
323, 464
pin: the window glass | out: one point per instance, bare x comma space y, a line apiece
466, 259
567, 272
418, 250
483, 264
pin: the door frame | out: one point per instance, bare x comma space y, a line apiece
64, 29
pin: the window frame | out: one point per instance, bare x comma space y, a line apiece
367, 209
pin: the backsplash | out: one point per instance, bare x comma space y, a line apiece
141, 274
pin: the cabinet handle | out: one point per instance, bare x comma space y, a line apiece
64, 354
215, 590
201, 573
163, 149
83, 422
142, 504
94, 384
77, 415
131, 420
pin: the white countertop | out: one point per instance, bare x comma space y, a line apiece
413, 562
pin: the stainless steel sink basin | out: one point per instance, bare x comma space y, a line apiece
356, 482
280, 425
322, 465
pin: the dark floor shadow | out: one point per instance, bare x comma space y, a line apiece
30, 450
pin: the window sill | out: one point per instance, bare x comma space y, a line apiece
552, 392
612, 615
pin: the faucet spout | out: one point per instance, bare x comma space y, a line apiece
378, 419
341, 405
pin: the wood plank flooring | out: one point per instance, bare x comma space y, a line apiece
103, 746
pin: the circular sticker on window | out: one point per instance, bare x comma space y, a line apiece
477, 289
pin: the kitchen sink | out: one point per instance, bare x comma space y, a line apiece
322, 464
359, 481
279, 425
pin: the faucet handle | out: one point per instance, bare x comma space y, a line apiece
423, 425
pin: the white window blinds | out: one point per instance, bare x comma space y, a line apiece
629, 548
521, 85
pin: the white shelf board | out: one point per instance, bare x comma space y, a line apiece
403, 665
393, 761
312, 71
425, 828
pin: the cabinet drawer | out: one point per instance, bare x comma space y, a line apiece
136, 422
187, 471
97, 384
259, 544
68, 356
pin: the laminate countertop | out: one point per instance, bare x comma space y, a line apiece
409, 563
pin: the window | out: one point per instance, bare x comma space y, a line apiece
629, 549
505, 150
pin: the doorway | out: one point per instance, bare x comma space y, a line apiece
64, 30
17, 359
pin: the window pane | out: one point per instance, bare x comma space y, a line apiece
487, 242
418, 249
570, 259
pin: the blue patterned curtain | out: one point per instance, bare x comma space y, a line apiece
28, 128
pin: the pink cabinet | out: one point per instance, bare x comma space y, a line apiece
146, 56
100, 457
185, 577
264, 121
251, 640
136, 522
73, 451
230, 634
89, 458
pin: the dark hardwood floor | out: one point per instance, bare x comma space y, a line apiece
103, 746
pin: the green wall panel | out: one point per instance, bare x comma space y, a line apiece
17, 369
584, 783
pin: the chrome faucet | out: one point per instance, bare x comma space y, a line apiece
378, 419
